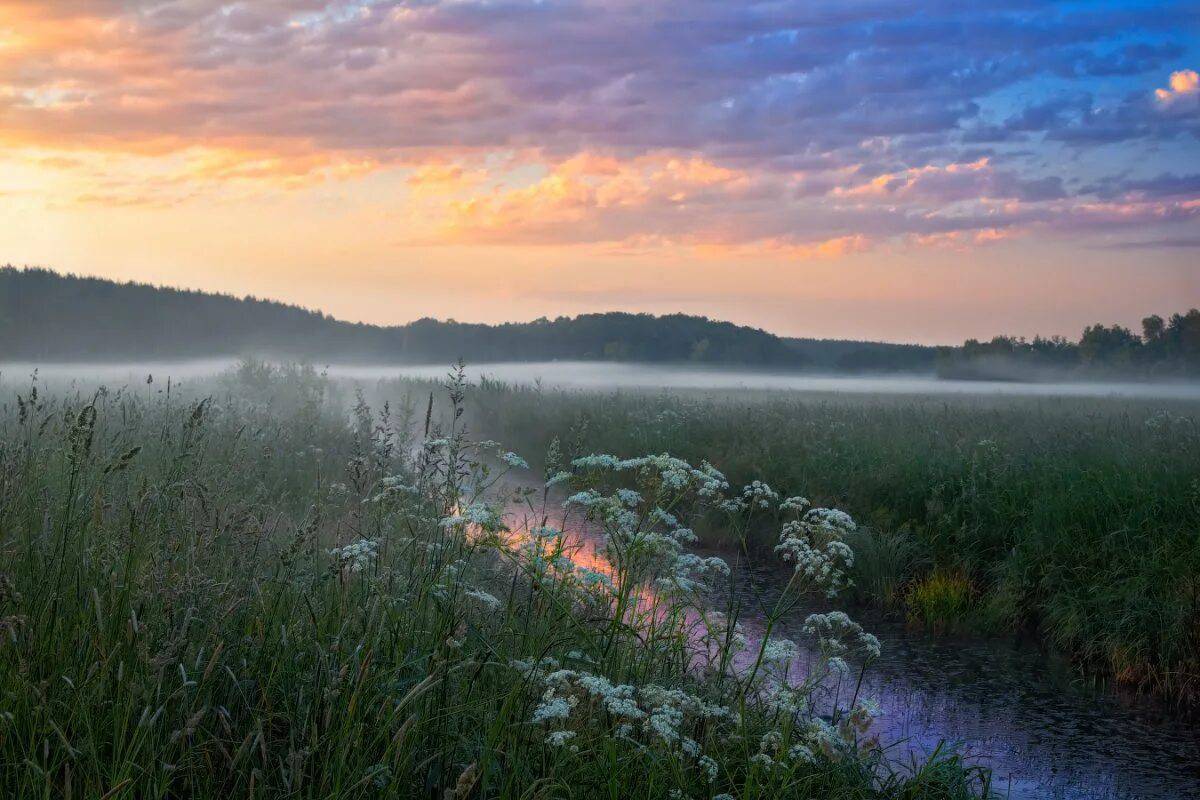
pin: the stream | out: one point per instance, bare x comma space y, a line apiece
1010, 706
1006, 704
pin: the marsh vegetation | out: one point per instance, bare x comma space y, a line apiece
262, 586
307, 585
1073, 516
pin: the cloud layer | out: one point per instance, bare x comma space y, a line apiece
798, 128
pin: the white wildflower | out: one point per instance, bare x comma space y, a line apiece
487, 601
758, 495
596, 462
801, 753
559, 738
553, 707
357, 555
587, 499
664, 517
794, 503
515, 461
838, 635
780, 651
629, 497
832, 519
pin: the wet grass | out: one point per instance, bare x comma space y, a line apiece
246, 590
941, 600
1078, 517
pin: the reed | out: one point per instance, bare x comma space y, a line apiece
1074, 516
266, 587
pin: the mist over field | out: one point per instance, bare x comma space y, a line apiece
605, 376
49, 318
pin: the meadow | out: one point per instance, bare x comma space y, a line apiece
266, 586
1075, 518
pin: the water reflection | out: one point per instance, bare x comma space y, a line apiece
1007, 704
1019, 711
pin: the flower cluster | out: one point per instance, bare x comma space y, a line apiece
757, 494
513, 460
838, 635
655, 588
814, 545
482, 516
357, 555
672, 474
393, 488
645, 715
690, 572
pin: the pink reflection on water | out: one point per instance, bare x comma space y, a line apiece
583, 543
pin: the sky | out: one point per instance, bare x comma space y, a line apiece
906, 170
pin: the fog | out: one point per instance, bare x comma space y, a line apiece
610, 376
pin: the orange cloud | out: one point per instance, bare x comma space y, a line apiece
495, 125
786, 249
964, 240
437, 178
594, 197
1183, 85
899, 184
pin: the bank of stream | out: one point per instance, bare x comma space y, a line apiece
1007, 704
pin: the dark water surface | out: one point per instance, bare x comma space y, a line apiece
1024, 713
1010, 706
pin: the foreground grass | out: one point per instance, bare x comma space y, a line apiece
251, 593
1080, 517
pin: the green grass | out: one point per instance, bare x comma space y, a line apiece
180, 618
1078, 516
941, 600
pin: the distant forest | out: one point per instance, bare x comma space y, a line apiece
1165, 348
47, 316
51, 317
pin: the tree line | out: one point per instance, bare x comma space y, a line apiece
48, 316
1165, 348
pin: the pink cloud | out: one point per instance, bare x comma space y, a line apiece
773, 124
1184, 86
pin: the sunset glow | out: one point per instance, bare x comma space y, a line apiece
916, 171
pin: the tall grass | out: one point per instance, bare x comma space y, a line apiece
249, 591
1077, 516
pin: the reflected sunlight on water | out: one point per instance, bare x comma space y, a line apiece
1012, 707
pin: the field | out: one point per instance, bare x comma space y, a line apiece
1077, 518
265, 587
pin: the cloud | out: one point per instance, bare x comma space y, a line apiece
976, 181
769, 123
1183, 87
592, 198
1180, 243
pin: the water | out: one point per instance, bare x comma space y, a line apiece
1014, 708
1007, 704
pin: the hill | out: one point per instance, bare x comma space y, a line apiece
842, 355
48, 316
